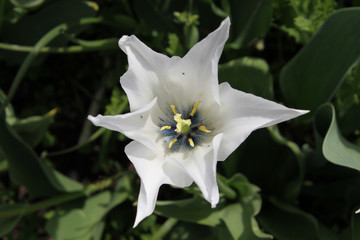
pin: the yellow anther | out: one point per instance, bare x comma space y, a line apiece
172, 142
165, 127
191, 142
194, 108
173, 109
203, 128
183, 125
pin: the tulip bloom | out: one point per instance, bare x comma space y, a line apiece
182, 122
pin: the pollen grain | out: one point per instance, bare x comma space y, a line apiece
191, 142
165, 127
172, 142
203, 128
194, 108
173, 108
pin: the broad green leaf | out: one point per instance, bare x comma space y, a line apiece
192, 210
286, 222
348, 102
238, 217
335, 147
7, 224
84, 219
27, 3
250, 19
244, 212
247, 74
27, 169
191, 34
32, 129
314, 74
79, 219
271, 162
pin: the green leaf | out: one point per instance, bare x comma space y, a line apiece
247, 74
27, 169
79, 219
83, 219
192, 210
335, 147
241, 224
175, 48
239, 218
286, 222
321, 65
27, 3
7, 224
250, 19
32, 129
191, 34
266, 149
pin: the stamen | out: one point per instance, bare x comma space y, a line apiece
165, 127
194, 108
172, 142
203, 128
173, 109
191, 142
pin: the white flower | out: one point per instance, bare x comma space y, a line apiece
182, 121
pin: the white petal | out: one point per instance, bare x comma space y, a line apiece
142, 80
136, 125
153, 171
201, 167
245, 113
201, 62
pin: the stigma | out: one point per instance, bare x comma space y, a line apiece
185, 128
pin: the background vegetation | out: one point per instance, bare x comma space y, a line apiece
62, 178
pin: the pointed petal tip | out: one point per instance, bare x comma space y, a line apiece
302, 112
136, 223
91, 118
139, 217
227, 20
94, 120
122, 40
225, 24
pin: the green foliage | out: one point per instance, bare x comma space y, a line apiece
238, 73
310, 70
84, 218
336, 149
250, 20
24, 164
238, 218
300, 19
59, 180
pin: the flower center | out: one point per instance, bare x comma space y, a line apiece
186, 131
182, 126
